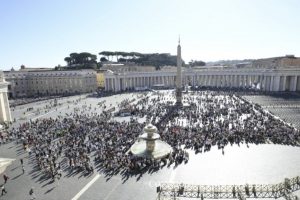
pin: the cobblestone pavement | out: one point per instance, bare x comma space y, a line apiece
239, 165
285, 107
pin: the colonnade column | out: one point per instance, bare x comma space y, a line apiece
105, 84
283, 82
293, 84
267, 83
298, 83
276, 83
2, 109
242, 81
264, 83
211, 77
235, 81
5, 115
205, 80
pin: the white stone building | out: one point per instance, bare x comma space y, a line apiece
263, 79
288, 61
5, 115
127, 68
44, 83
283, 76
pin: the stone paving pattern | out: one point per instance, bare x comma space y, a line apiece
239, 165
286, 107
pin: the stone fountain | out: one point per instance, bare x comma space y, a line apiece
149, 144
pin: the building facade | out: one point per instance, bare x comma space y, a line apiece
46, 83
284, 75
5, 115
288, 61
100, 78
128, 67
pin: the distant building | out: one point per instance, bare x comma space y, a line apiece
23, 68
288, 61
270, 74
46, 83
243, 64
100, 78
261, 79
127, 68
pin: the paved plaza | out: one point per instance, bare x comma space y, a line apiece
240, 163
285, 106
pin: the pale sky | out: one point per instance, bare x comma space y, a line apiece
40, 33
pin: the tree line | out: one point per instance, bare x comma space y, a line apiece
195, 63
155, 59
81, 58
86, 60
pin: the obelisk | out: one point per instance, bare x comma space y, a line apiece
179, 76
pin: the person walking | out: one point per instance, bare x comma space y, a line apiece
5, 177
3, 190
21, 160
31, 193
23, 169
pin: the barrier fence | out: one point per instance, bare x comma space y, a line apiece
285, 189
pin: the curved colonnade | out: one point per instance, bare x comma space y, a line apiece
262, 79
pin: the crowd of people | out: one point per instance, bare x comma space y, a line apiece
86, 139
216, 118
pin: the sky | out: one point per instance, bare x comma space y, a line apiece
38, 33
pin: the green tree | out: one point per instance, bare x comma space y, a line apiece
103, 59
68, 60
105, 53
74, 58
194, 63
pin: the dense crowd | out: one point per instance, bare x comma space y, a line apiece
214, 118
82, 141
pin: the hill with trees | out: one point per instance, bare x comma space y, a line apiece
85, 60
82, 60
154, 59
195, 63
